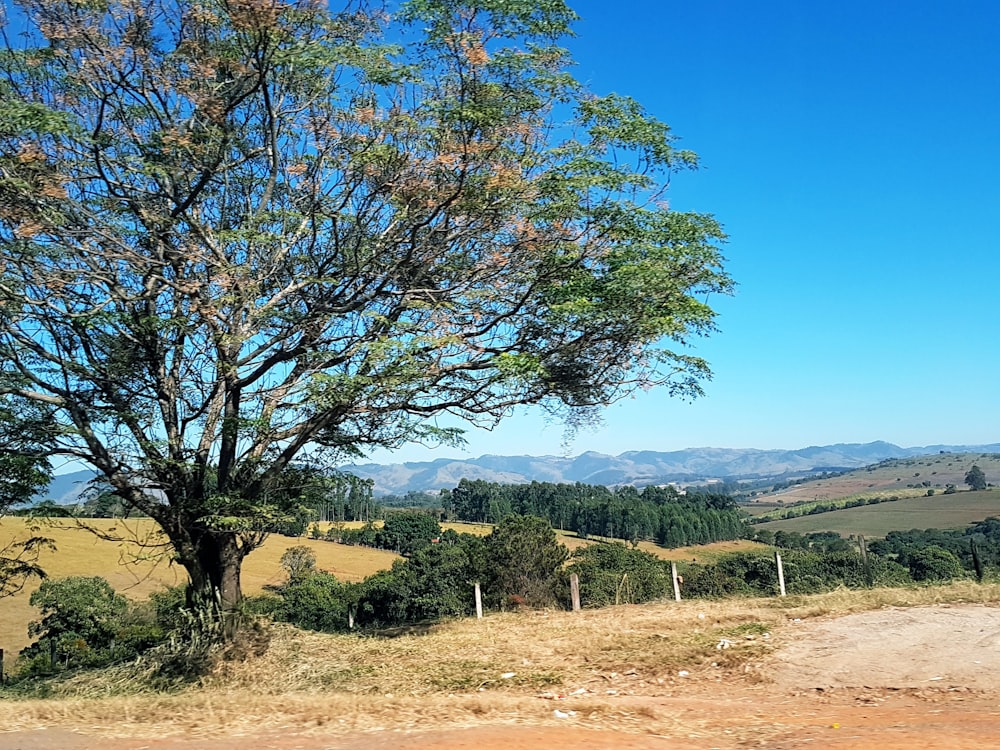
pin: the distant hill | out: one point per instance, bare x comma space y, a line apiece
689, 466
66, 488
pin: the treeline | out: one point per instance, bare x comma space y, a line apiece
660, 514
654, 513
813, 508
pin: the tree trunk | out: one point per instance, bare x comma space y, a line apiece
213, 565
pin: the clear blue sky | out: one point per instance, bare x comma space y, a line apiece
852, 152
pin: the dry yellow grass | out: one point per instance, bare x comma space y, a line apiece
467, 672
444, 675
137, 573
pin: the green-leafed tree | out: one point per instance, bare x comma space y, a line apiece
25, 436
524, 563
299, 562
407, 531
239, 233
976, 479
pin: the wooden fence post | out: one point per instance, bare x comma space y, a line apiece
781, 573
676, 581
2, 675
479, 602
574, 590
350, 618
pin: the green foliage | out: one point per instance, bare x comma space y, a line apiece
819, 541
299, 562
525, 561
316, 601
25, 436
81, 618
659, 513
806, 572
407, 532
976, 479
436, 582
983, 537
295, 522
167, 605
933, 563
366, 536
614, 574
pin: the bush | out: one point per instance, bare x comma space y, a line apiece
613, 574
933, 563
315, 601
806, 572
437, 581
81, 620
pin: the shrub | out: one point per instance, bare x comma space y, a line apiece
933, 563
315, 601
81, 619
614, 574
437, 581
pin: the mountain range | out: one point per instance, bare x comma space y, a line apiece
688, 466
691, 465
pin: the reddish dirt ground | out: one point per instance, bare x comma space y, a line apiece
892, 679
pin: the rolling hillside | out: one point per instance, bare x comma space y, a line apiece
937, 512
913, 475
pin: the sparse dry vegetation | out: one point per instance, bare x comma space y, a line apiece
505, 668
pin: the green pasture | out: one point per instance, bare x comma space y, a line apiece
937, 512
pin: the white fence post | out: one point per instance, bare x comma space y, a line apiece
781, 573
676, 580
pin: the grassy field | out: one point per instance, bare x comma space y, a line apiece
939, 511
136, 573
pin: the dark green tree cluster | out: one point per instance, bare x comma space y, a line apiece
519, 564
653, 513
806, 572
403, 532
407, 532
953, 552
